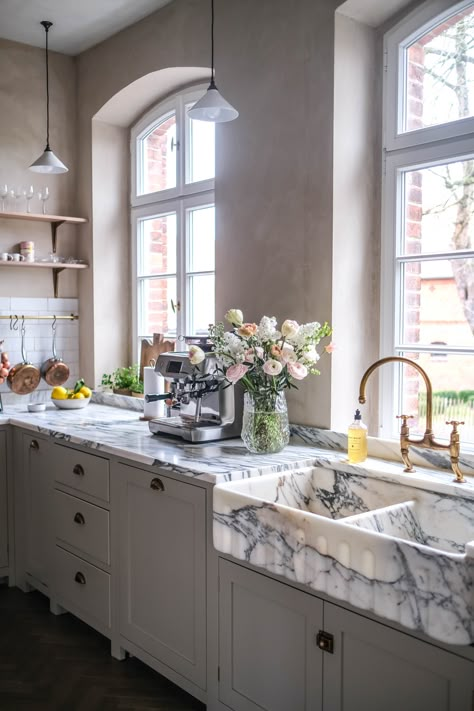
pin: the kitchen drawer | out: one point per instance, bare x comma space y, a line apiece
84, 472
86, 587
83, 526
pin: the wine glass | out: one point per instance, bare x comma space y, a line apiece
18, 193
28, 194
3, 195
43, 195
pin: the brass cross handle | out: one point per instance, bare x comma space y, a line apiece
404, 419
454, 446
455, 424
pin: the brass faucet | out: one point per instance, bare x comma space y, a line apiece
428, 441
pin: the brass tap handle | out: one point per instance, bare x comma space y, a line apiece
404, 419
454, 448
404, 443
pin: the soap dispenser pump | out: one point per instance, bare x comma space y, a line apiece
357, 440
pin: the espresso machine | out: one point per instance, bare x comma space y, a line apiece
201, 405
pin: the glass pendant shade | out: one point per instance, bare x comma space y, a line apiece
213, 107
48, 163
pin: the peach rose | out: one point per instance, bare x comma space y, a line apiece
275, 351
298, 371
247, 329
235, 372
330, 347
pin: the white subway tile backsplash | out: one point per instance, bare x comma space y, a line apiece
20, 304
68, 305
5, 303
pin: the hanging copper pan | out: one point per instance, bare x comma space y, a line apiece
24, 377
54, 370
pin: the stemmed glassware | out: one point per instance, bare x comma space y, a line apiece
43, 195
3, 195
28, 194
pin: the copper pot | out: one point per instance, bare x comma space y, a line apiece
54, 370
24, 377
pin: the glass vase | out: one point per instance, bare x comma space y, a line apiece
265, 427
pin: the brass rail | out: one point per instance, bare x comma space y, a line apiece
19, 317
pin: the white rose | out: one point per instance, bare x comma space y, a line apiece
289, 329
288, 355
196, 355
235, 317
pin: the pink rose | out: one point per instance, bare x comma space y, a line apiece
235, 372
272, 367
298, 371
247, 329
250, 354
330, 347
288, 355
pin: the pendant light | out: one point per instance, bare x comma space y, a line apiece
212, 106
48, 162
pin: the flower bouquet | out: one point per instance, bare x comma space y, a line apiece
266, 361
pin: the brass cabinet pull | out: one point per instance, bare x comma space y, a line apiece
34, 445
80, 578
79, 518
157, 484
79, 470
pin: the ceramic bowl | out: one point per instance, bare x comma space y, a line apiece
71, 404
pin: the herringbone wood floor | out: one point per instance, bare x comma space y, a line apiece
50, 663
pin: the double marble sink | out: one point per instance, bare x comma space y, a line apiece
402, 552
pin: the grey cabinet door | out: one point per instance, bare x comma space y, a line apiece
163, 569
267, 643
376, 668
38, 506
3, 502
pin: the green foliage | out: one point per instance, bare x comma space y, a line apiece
125, 378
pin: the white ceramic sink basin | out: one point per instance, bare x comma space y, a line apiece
405, 553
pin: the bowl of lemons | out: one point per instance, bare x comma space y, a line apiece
72, 398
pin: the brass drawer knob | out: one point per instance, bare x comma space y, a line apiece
78, 470
79, 519
80, 578
34, 445
157, 485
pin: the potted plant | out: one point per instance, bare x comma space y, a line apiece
124, 381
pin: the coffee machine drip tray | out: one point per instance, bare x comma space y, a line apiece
191, 431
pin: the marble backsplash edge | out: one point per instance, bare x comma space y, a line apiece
381, 448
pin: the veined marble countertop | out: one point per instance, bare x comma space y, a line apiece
120, 432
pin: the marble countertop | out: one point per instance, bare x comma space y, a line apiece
121, 433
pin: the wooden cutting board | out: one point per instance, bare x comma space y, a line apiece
151, 350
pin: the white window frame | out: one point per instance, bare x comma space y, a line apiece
403, 152
180, 199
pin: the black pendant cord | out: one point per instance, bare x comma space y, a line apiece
46, 26
212, 44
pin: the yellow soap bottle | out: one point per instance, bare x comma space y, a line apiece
357, 440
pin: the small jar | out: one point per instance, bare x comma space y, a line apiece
27, 250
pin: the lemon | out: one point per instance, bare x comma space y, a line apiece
87, 392
59, 393
78, 396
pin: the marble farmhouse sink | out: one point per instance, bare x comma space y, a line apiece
402, 552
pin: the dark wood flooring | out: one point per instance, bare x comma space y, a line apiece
50, 663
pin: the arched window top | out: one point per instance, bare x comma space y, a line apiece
173, 155
430, 66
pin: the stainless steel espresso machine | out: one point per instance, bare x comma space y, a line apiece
201, 404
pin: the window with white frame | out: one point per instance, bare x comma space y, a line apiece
173, 221
427, 311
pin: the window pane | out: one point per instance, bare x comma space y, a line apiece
201, 150
201, 299
436, 305
158, 150
452, 378
201, 239
440, 73
157, 245
439, 208
155, 309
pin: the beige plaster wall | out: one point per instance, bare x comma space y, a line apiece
274, 166
356, 243
22, 140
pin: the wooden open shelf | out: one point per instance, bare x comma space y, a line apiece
55, 221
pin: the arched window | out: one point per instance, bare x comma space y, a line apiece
428, 211
172, 207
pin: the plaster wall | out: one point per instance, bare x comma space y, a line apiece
274, 164
356, 195
22, 140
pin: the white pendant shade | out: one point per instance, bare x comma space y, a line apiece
213, 107
48, 163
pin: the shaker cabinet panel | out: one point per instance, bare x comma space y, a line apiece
374, 667
38, 507
3, 502
163, 569
268, 655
